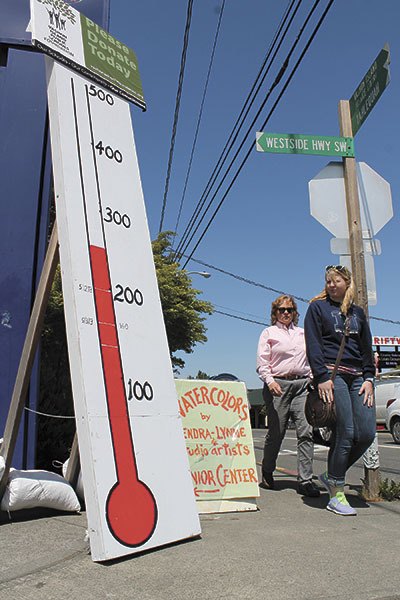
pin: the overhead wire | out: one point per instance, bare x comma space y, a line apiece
176, 116
241, 118
298, 62
249, 281
263, 323
240, 312
279, 76
385, 320
240, 318
200, 116
271, 289
177, 106
239, 122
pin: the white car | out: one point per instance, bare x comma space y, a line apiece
393, 416
386, 390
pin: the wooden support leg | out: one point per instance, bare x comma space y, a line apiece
73, 467
28, 356
371, 484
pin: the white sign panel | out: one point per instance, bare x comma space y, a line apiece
136, 475
72, 38
342, 246
345, 260
328, 207
328, 200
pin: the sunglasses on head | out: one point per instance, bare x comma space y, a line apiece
282, 310
339, 268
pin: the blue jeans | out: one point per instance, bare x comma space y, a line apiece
355, 427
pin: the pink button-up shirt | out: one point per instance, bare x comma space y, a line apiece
281, 352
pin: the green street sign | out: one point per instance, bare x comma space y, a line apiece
370, 89
294, 143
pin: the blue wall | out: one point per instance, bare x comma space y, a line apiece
25, 180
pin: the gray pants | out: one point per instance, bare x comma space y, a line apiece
279, 409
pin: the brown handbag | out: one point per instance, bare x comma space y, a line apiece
319, 413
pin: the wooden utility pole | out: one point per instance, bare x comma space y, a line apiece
372, 476
353, 212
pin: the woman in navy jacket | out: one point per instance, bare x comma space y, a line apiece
331, 315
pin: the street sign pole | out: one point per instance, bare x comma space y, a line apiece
371, 457
353, 212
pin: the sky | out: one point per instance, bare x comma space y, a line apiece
264, 231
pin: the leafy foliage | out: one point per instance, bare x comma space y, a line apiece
184, 325
55, 398
200, 375
181, 306
389, 490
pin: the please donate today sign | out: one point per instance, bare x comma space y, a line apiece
219, 442
70, 37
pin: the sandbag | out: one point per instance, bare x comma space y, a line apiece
34, 489
79, 483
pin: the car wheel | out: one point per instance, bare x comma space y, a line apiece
395, 430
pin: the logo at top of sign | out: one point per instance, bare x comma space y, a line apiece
59, 12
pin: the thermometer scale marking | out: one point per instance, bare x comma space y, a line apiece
131, 509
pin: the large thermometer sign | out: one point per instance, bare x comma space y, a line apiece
136, 476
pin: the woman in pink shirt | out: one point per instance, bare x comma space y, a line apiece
282, 366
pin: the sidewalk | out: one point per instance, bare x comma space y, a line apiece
292, 548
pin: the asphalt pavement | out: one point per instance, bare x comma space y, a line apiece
292, 547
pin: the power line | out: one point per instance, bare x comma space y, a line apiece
239, 121
271, 289
177, 106
210, 183
385, 320
310, 40
240, 312
200, 116
240, 318
220, 312
249, 281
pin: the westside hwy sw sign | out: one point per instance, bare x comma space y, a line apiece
293, 143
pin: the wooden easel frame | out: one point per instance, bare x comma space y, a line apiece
25, 367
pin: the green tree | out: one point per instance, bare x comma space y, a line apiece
183, 310
55, 435
200, 375
184, 324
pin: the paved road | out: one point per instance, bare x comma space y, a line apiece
290, 549
389, 455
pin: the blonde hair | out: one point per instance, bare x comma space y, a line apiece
348, 299
276, 304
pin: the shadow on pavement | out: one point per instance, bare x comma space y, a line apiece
31, 514
280, 484
354, 500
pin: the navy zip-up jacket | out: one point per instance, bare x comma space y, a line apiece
324, 327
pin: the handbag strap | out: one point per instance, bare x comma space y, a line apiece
341, 349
